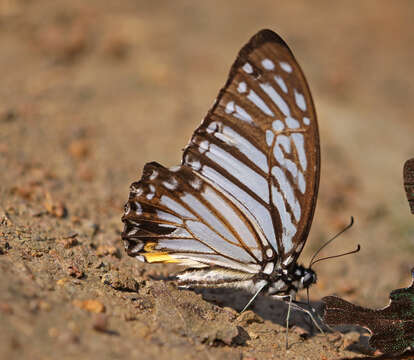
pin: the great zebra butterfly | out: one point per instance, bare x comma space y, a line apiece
238, 210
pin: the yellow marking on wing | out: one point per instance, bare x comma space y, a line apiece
160, 257
153, 255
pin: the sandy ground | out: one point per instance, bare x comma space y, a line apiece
91, 91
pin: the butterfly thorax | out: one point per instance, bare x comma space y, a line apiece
290, 281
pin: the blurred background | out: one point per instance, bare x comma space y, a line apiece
92, 90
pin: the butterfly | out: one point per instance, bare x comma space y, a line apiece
238, 210
391, 328
409, 182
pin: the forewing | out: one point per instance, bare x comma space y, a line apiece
259, 145
246, 190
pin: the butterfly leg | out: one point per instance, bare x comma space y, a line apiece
297, 307
289, 298
253, 297
287, 321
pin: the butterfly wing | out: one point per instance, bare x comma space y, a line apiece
245, 193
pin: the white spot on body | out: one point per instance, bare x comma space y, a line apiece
268, 269
288, 260
285, 66
247, 68
300, 100
258, 101
268, 64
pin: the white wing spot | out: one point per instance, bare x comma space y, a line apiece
242, 114
306, 120
301, 182
171, 184
285, 66
196, 183
268, 269
212, 127
138, 206
203, 146
288, 260
175, 168
281, 83
127, 208
258, 101
300, 100
300, 147
153, 175
288, 229
269, 253
230, 107
269, 137
284, 141
276, 98
287, 190
247, 68
136, 190
268, 64
242, 87
292, 123
278, 125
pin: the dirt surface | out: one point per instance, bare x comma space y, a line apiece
92, 90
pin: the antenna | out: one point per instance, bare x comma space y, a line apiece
329, 241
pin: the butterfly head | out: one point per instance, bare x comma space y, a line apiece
308, 278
